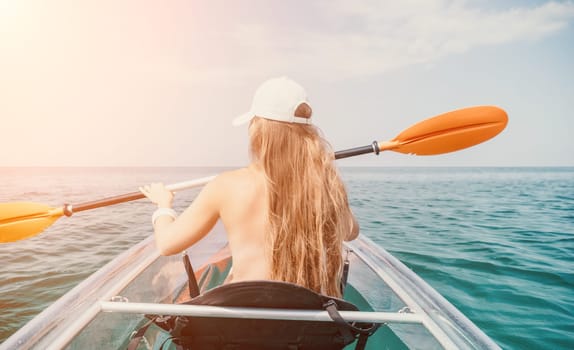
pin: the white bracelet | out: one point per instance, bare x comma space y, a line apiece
163, 212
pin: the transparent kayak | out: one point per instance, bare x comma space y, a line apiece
105, 310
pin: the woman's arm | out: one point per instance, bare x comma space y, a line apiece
173, 236
354, 233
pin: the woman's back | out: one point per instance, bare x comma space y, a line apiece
243, 213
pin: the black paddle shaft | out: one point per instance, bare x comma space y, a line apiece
372, 148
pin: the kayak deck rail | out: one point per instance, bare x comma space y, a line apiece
80, 300
450, 327
255, 313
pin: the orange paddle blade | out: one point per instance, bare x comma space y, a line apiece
25, 219
450, 131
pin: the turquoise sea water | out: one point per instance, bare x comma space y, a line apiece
498, 243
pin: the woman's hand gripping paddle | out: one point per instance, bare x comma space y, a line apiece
444, 133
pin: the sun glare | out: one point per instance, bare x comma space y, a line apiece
10, 8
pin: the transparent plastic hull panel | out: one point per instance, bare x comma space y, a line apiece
103, 311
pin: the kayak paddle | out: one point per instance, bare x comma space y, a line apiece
21, 220
444, 133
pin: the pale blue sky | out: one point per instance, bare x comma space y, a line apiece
147, 83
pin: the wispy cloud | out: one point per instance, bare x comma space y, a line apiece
358, 38
207, 42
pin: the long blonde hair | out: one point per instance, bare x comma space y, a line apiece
308, 213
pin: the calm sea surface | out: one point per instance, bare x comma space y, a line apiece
498, 243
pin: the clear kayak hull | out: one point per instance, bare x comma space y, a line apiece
104, 310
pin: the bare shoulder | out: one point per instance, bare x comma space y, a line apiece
236, 191
233, 181
232, 177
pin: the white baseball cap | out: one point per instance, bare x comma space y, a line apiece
276, 99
